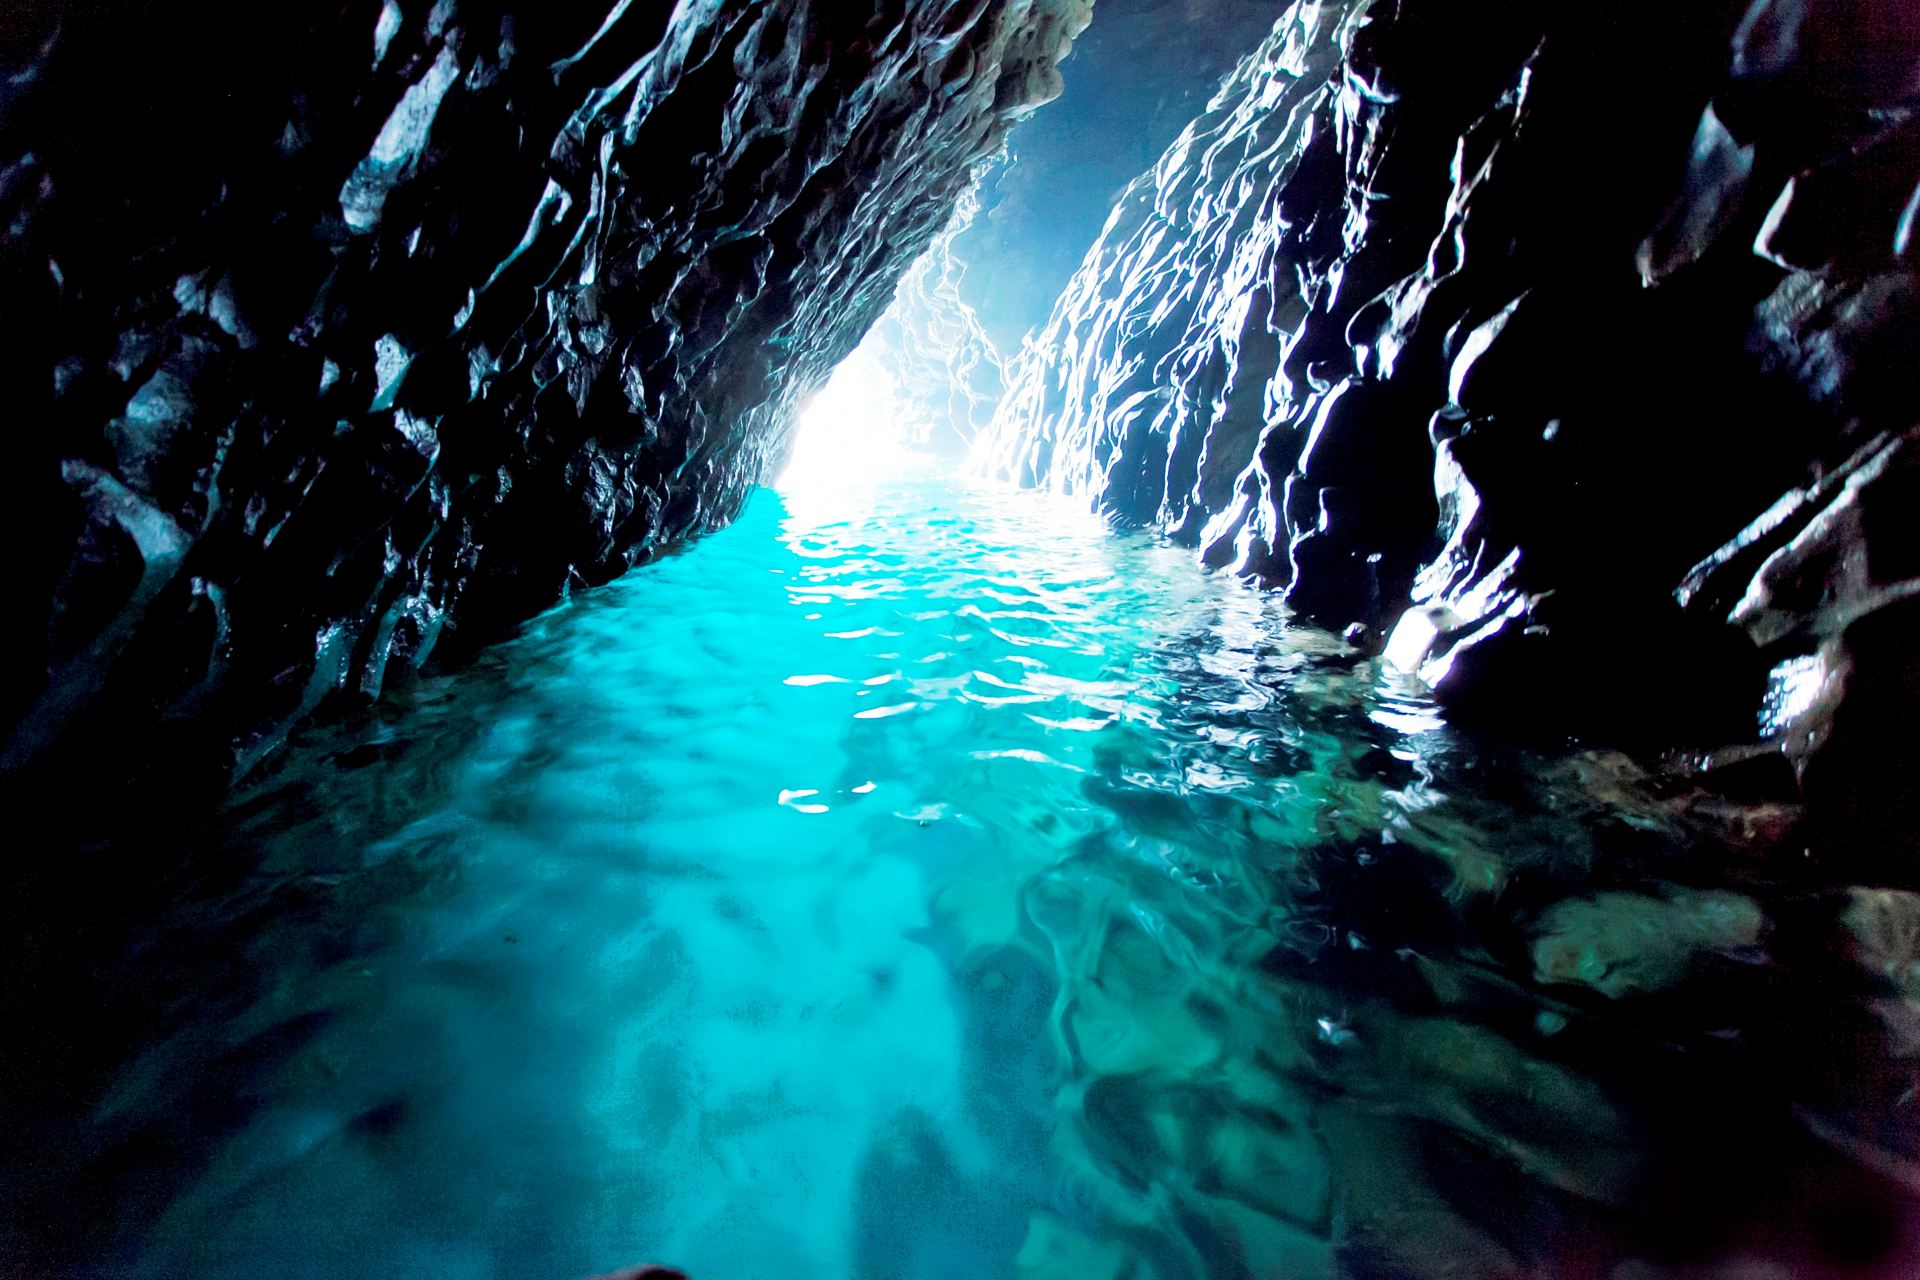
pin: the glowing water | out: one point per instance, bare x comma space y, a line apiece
940, 887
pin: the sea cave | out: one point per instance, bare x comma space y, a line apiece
936, 639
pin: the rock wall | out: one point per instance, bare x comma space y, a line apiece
346, 332
1138, 75
947, 368
1495, 329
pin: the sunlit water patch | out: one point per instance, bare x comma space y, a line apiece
934, 884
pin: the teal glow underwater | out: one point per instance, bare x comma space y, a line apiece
930, 883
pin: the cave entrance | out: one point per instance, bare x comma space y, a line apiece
858, 429
915, 395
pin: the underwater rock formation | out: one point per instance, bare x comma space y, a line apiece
346, 331
1493, 328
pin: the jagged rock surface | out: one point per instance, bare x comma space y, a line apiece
340, 331
947, 369
1138, 75
1493, 327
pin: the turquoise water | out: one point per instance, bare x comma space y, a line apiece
935, 884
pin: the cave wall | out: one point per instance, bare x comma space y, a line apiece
1136, 77
342, 334
1488, 332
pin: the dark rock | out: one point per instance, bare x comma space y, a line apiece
1755, 774
1827, 584
372, 334
1410, 326
1136, 77
1625, 944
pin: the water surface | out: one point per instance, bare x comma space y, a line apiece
936, 884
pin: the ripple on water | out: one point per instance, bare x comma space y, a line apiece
950, 888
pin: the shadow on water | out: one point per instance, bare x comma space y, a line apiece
950, 888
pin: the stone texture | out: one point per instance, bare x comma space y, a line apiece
1827, 585
1623, 944
1138, 75
344, 332
1483, 332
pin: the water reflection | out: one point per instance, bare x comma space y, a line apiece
946, 887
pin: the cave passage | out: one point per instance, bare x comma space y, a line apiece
858, 430
925, 881
939, 640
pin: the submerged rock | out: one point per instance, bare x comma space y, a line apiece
1053, 1250
1388, 1221
1624, 944
1882, 927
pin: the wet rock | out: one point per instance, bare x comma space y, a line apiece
1627, 944
1553, 1126
390, 338
1715, 192
1137, 76
1751, 775
1131, 440
1405, 384
1054, 1250
1233, 1154
1849, 211
1388, 1220
1826, 583
1882, 927
1839, 338
1116, 1032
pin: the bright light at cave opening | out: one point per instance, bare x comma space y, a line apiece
856, 431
